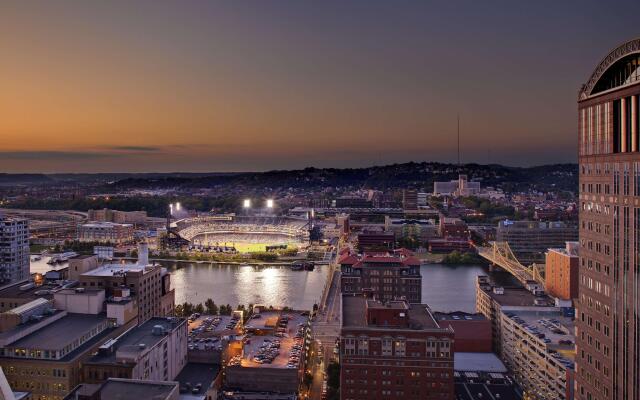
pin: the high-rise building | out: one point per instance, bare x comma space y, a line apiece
14, 250
608, 310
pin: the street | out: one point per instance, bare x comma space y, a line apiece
326, 329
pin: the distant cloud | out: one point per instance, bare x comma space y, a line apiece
52, 155
135, 148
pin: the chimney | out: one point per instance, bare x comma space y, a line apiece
143, 254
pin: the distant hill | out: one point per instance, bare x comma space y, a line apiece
23, 179
557, 177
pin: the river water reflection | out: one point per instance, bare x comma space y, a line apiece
444, 287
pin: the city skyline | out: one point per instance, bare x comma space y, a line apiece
222, 87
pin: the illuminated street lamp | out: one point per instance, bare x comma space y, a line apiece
269, 203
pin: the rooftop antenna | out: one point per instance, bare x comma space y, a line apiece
458, 140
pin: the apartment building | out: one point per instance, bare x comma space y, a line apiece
105, 232
14, 250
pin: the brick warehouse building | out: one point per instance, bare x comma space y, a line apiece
608, 310
393, 350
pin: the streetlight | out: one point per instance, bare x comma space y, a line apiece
269, 203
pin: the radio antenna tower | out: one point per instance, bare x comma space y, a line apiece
458, 140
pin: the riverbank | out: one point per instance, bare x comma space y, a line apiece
210, 262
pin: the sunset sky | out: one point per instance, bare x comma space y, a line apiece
88, 86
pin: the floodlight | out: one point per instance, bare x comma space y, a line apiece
246, 203
269, 203
178, 206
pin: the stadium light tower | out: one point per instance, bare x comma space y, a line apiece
246, 203
269, 203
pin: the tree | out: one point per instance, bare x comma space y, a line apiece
179, 311
211, 307
187, 309
333, 381
199, 308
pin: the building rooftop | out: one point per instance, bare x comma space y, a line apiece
478, 362
20, 291
570, 250
94, 224
458, 316
354, 313
508, 296
82, 257
213, 325
551, 329
470, 390
134, 339
193, 374
58, 334
114, 269
126, 389
82, 290
62, 332
281, 349
402, 257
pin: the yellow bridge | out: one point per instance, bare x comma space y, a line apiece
500, 254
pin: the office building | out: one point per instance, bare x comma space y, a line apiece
149, 284
561, 272
393, 350
423, 229
608, 310
105, 232
14, 250
454, 235
458, 187
529, 240
155, 350
42, 347
410, 199
384, 276
370, 240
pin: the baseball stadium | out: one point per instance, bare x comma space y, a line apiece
245, 234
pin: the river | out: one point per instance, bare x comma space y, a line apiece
444, 287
